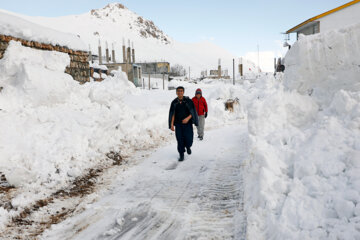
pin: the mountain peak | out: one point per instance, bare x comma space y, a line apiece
108, 9
117, 13
115, 5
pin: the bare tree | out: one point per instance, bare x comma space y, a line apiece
177, 70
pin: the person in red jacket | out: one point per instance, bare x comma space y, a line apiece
202, 111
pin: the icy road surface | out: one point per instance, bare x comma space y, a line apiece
159, 198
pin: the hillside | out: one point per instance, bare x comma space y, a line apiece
115, 22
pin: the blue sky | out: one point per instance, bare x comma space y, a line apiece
236, 25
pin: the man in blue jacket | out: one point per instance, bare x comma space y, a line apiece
182, 116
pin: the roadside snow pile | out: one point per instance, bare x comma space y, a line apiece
303, 176
14, 26
53, 128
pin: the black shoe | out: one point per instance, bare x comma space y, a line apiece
188, 150
201, 138
198, 136
181, 158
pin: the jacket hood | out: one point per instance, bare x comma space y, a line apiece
198, 90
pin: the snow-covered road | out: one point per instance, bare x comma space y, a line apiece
159, 198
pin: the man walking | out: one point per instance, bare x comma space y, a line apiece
182, 115
202, 111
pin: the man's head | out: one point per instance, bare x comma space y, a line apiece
180, 92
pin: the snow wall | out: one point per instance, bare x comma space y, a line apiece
302, 176
322, 64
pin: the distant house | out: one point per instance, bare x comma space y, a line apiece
339, 17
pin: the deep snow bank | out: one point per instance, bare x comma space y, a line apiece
321, 64
303, 173
53, 129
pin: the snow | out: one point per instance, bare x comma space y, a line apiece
322, 64
265, 58
57, 129
159, 198
302, 174
96, 65
18, 27
287, 158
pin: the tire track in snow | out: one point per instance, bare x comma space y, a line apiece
219, 204
201, 198
214, 190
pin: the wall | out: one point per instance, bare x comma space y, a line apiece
79, 67
154, 67
312, 29
343, 18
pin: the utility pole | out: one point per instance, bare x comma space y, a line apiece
149, 81
113, 53
189, 73
100, 53
107, 52
163, 81
234, 71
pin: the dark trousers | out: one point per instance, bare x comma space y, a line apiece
184, 136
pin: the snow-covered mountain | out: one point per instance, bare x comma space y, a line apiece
114, 23
129, 21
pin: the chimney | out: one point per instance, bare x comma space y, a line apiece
219, 69
100, 56
275, 64
90, 54
129, 53
107, 52
133, 53
241, 68
124, 51
113, 53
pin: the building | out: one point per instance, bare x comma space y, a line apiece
339, 17
128, 65
155, 69
215, 74
134, 71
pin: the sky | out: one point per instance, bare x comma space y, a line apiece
236, 25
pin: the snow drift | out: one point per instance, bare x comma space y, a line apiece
303, 174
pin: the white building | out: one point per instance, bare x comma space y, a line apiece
339, 17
